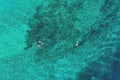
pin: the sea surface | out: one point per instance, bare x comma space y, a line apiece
59, 40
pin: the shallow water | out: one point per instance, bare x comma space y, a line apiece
13, 25
59, 40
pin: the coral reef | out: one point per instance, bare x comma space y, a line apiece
75, 40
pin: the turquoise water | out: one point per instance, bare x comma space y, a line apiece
59, 40
14, 16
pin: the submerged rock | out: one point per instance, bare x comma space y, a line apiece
75, 40
82, 30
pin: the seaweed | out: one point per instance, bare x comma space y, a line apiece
51, 23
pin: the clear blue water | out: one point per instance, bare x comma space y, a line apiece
59, 40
